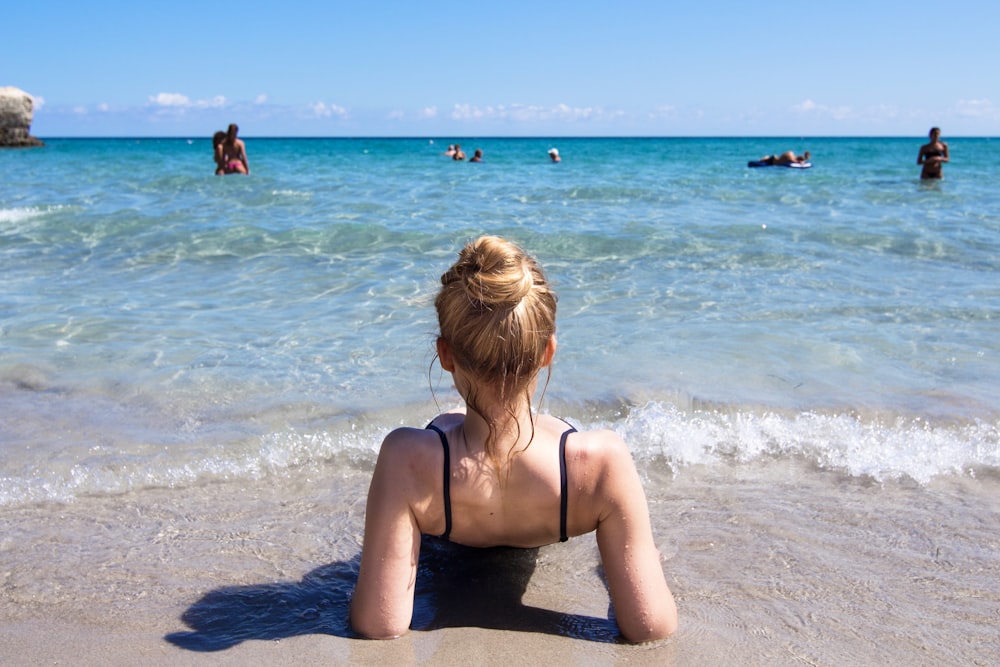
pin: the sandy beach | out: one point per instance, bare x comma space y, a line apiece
781, 565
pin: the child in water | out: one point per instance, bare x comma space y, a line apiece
497, 472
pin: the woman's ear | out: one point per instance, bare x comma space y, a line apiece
550, 351
444, 355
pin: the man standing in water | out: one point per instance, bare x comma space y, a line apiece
932, 155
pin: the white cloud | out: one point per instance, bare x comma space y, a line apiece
180, 101
324, 111
837, 113
80, 111
976, 109
531, 113
427, 113
103, 106
170, 100
37, 102
663, 111
261, 99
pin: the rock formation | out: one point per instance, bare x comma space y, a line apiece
16, 110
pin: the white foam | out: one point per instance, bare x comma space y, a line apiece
878, 447
291, 193
20, 214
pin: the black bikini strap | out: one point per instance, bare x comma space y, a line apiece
447, 481
563, 485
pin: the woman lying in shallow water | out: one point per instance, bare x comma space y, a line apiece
498, 473
788, 157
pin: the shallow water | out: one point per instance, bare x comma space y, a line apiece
804, 364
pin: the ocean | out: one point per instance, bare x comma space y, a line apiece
805, 364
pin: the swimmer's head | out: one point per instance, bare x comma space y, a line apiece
497, 315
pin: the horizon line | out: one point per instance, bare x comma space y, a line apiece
524, 136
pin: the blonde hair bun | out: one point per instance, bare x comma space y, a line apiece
496, 311
493, 272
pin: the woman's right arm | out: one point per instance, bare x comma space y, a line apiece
382, 605
644, 606
243, 156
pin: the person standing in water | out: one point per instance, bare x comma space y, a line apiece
933, 155
234, 153
220, 162
498, 473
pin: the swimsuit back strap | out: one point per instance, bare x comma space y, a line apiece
447, 481
563, 486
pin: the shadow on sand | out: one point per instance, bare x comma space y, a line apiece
456, 587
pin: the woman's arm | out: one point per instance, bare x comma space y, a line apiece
644, 607
382, 605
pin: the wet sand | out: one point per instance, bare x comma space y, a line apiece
771, 564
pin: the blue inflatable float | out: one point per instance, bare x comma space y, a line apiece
790, 165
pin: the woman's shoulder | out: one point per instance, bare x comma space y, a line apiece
415, 443
409, 440
446, 420
597, 449
409, 461
596, 439
603, 474
410, 449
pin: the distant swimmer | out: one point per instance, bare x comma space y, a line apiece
788, 157
477, 156
554, 154
451, 151
932, 155
220, 162
459, 153
234, 153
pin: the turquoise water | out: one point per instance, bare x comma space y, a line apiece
160, 325
196, 373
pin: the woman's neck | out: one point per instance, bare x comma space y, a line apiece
513, 431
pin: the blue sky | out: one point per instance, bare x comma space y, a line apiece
513, 68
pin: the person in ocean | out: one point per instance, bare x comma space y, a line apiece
933, 155
220, 163
554, 154
459, 154
477, 156
234, 153
788, 157
497, 472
